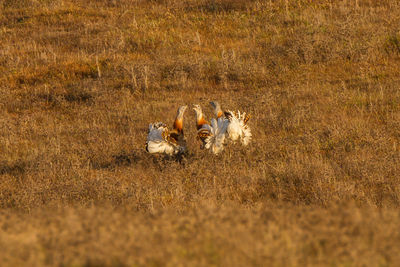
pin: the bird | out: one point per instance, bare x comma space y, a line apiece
237, 127
211, 135
162, 140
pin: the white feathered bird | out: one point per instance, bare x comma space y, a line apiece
211, 135
161, 140
238, 127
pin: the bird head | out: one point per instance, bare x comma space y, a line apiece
217, 108
181, 110
198, 110
215, 104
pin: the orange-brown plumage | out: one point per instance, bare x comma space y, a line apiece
178, 125
247, 118
161, 140
200, 122
176, 135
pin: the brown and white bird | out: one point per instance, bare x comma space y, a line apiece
237, 127
161, 140
211, 135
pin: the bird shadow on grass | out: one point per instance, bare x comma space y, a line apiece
163, 162
117, 160
16, 168
138, 158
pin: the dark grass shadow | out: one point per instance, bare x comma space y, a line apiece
117, 160
71, 97
139, 158
76, 96
212, 6
163, 162
16, 169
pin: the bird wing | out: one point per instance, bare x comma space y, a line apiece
177, 139
228, 114
218, 130
160, 140
246, 135
238, 127
160, 147
204, 131
234, 129
156, 131
246, 118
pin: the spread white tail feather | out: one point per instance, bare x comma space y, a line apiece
161, 140
161, 147
237, 128
155, 131
156, 143
216, 140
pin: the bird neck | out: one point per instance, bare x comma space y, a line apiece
178, 124
217, 109
201, 121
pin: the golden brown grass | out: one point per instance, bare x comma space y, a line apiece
80, 82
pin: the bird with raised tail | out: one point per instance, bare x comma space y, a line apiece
162, 140
211, 135
237, 127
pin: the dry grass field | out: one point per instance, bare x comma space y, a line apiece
81, 80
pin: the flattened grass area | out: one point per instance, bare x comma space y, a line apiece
81, 80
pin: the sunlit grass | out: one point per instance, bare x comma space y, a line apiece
80, 82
